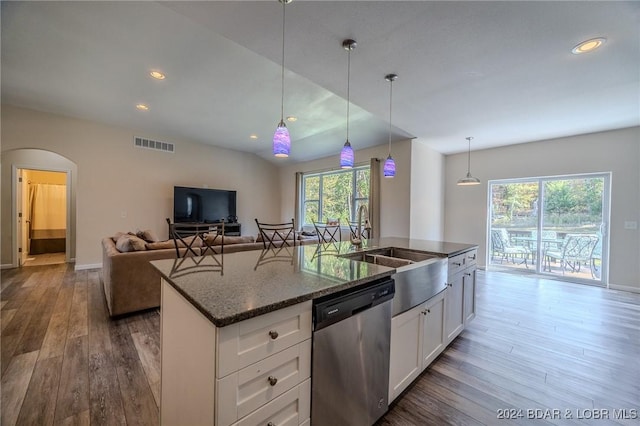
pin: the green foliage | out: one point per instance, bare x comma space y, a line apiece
331, 195
567, 203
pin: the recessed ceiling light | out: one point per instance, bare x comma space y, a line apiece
157, 75
292, 118
588, 45
142, 107
253, 136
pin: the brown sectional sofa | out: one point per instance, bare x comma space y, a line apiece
132, 284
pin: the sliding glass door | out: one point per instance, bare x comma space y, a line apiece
551, 225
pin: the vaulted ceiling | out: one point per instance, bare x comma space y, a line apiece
502, 72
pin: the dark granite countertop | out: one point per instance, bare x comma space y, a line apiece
236, 286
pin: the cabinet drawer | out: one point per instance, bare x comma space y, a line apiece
289, 409
244, 391
249, 341
456, 263
461, 261
471, 257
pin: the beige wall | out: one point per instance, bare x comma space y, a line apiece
394, 193
123, 188
427, 192
617, 152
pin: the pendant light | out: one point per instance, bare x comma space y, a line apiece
469, 180
389, 168
281, 138
346, 155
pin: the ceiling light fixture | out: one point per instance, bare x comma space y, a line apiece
292, 118
346, 155
281, 138
142, 107
588, 45
253, 136
469, 180
157, 75
389, 168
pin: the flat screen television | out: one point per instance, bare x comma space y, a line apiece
202, 205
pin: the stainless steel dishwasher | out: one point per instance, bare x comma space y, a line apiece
350, 359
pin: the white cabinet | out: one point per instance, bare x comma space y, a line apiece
460, 304
252, 372
454, 315
469, 291
433, 337
417, 337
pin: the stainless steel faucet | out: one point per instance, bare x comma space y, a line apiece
357, 241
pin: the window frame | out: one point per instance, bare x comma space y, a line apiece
354, 199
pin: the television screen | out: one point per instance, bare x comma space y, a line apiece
202, 204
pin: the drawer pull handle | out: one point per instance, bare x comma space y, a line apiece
273, 334
467, 274
472, 257
272, 380
450, 285
457, 263
271, 424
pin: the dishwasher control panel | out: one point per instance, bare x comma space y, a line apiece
333, 308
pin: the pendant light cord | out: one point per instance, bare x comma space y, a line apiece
390, 101
282, 73
348, 80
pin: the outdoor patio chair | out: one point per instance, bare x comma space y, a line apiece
502, 248
577, 250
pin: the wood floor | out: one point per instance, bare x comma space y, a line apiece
569, 351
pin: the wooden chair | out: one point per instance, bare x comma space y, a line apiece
190, 236
277, 234
328, 232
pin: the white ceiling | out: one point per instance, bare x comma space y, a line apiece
502, 72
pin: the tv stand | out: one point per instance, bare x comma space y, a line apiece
230, 229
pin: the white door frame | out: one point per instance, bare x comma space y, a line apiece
16, 228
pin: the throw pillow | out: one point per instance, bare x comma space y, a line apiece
117, 235
127, 243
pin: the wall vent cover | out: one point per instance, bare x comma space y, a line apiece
152, 144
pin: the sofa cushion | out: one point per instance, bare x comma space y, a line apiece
127, 243
160, 245
148, 235
215, 240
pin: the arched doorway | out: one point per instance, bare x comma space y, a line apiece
14, 162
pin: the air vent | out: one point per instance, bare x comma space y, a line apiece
151, 144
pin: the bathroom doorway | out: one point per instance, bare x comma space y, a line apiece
42, 215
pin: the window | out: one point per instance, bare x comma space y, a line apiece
336, 194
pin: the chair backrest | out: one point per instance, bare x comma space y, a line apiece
189, 236
497, 242
545, 235
364, 231
328, 232
277, 234
579, 247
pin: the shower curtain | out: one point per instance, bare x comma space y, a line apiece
48, 215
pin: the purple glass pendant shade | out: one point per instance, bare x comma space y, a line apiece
281, 141
389, 168
346, 156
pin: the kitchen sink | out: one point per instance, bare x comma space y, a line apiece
393, 257
426, 277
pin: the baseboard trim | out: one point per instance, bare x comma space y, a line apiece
6, 266
88, 266
624, 288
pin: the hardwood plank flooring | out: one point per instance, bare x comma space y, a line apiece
535, 344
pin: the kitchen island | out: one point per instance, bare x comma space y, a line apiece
236, 329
